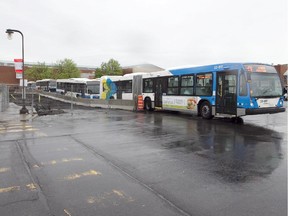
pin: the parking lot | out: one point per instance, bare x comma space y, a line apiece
115, 162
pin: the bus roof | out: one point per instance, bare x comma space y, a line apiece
45, 80
77, 80
209, 68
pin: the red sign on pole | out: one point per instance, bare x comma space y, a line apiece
18, 63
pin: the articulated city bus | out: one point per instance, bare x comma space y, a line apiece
224, 90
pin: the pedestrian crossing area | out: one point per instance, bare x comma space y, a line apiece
15, 127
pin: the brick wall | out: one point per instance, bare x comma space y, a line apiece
281, 69
8, 75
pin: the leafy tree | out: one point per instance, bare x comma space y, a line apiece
98, 72
66, 69
63, 69
112, 67
38, 72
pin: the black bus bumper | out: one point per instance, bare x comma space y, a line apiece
269, 110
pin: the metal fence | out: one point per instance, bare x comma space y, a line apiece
4, 97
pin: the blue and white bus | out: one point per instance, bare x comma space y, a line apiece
223, 90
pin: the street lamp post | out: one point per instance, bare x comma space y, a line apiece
23, 110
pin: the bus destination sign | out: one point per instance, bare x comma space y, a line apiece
260, 68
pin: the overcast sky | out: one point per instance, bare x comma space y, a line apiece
167, 33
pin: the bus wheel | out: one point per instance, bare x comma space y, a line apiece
148, 104
238, 120
206, 110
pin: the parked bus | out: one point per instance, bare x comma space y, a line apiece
229, 90
31, 85
46, 85
79, 87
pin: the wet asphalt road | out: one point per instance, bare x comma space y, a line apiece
113, 162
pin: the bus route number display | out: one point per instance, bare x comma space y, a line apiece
256, 68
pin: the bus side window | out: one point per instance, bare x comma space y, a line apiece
243, 85
148, 86
204, 84
187, 85
173, 85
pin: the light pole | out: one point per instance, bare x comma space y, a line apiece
23, 110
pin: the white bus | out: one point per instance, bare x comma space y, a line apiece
46, 85
79, 87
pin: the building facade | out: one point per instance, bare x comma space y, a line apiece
8, 76
282, 71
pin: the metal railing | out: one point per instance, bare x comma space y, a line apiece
4, 97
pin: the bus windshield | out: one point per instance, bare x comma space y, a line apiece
265, 81
265, 85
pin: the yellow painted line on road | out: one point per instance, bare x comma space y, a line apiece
10, 127
88, 173
91, 172
67, 212
108, 198
119, 193
64, 160
31, 187
17, 130
4, 169
9, 189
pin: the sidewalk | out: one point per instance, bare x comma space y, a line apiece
12, 114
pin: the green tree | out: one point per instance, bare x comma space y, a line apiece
112, 67
38, 72
66, 69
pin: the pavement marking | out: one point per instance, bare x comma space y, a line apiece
31, 187
67, 212
15, 128
119, 193
88, 173
109, 198
9, 189
64, 160
4, 169
91, 172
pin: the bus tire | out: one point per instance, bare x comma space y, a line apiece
148, 104
206, 110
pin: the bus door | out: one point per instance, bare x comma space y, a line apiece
160, 86
226, 98
119, 90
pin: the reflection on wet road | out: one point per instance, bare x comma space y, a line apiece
99, 162
237, 153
